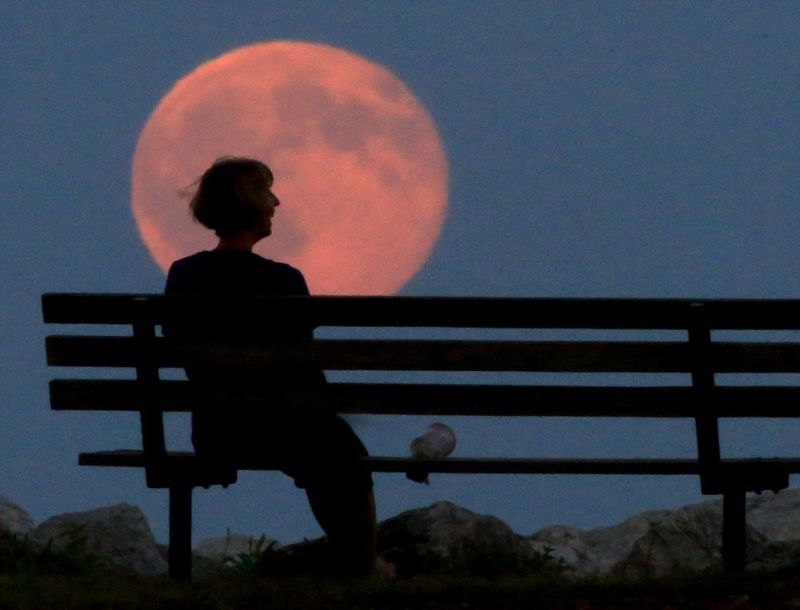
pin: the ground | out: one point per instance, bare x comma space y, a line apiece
768, 591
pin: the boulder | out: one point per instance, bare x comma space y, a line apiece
563, 543
686, 540
594, 552
447, 538
118, 534
14, 519
776, 516
231, 545
774, 555
690, 539
610, 545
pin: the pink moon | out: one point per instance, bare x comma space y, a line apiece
359, 167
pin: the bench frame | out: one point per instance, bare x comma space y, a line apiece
698, 355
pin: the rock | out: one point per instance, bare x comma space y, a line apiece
231, 545
776, 516
14, 519
685, 540
609, 545
689, 539
563, 543
447, 538
213, 554
118, 534
774, 555
597, 551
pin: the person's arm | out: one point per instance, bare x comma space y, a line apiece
299, 287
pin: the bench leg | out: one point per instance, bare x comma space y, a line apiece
180, 531
734, 552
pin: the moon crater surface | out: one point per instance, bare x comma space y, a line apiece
359, 166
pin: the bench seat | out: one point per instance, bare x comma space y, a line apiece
133, 458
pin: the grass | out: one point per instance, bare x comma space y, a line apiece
125, 592
70, 579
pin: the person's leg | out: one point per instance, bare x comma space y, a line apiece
348, 519
339, 489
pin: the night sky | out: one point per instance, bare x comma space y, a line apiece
596, 149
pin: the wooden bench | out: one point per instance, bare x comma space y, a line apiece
479, 335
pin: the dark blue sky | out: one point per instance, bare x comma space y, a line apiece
595, 148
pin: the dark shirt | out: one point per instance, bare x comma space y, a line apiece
225, 275
236, 272
295, 425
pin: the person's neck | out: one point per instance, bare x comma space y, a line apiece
240, 241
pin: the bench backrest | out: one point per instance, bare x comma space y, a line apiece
430, 334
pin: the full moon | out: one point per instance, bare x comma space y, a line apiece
359, 168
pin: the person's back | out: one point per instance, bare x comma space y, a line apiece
228, 275
239, 272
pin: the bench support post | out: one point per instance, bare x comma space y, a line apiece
152, 421
734, 551
706, 426
180, 531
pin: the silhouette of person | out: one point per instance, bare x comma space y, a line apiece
291, 421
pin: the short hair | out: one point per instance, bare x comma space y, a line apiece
230, 195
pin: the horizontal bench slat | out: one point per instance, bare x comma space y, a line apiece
382, 311
730, 357
418, 355
656, 466
411, 399
444, 355
78, 308
447, 399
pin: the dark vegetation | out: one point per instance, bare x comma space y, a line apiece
34, 578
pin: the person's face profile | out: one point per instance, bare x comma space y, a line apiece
271, 201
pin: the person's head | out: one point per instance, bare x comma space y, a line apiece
233, 195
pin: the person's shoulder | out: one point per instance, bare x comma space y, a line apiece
286, 269
290, 275
268, 263
191, 260
183, 273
